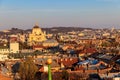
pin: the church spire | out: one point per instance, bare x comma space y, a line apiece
36, 24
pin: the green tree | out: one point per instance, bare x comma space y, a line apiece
106, 44
28, 69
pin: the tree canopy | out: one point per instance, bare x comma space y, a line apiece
27, 69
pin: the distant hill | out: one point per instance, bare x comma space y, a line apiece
63, 29
48, 30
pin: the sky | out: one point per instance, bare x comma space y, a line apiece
24, 14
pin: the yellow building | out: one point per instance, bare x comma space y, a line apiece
37, 35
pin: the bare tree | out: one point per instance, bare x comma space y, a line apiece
28, 69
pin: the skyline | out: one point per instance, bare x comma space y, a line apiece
54, 13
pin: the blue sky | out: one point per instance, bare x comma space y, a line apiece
49, 13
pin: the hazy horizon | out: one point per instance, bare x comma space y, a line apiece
24, 14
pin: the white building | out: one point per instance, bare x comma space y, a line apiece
5, 50
50, 43
3, 57
14, 47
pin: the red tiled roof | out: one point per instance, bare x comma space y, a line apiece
87, 50
90, 50
68, 61
13, 39
38, 46
4, 78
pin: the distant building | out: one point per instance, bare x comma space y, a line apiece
21, 38
81, 34
37, 35
3, 57
50, 43
106, 34
13, 38
38, 47
14, 47
4, 50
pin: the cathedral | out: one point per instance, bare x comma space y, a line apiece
37, 35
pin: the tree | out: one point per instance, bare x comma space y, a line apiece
28, 69
65, 75
106, 44
15, 67
24, 45
38, 75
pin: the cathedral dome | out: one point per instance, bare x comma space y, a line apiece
37, 35
36, 26
36, 30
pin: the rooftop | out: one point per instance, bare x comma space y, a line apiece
4, 77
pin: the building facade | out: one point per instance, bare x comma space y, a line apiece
14, 47
37, 35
